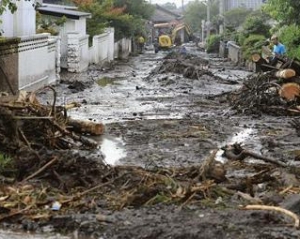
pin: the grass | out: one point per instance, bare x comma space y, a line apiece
6, 162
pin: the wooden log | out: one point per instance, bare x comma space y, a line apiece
255, 57
289, 91
286, 73
85, 127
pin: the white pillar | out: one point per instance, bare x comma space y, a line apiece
20, 23
25, 18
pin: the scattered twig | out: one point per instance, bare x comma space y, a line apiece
249, 198
41, 169
276, 209
286, 190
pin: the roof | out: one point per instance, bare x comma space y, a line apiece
61, 11
163, 15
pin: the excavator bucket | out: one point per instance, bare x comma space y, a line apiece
165, 41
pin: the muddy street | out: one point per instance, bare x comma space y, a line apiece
160, 169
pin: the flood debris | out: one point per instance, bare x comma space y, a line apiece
27, 123
192, 67
276, 209
264, 93
237, 152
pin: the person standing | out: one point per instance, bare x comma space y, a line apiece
141, 43
279, 50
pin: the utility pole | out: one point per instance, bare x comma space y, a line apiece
208, 19
221, 13
182, 5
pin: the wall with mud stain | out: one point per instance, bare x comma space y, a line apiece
9, 65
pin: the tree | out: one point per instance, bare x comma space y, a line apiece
137, 8
196, 11
127, 17
169, 6
284, 11
236, 17
7, 4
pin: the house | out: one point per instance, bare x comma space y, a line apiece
27, 59
162, 15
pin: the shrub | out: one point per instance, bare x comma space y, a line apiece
251, 44
290, 37
213, 44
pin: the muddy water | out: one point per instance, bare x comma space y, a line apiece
127, 94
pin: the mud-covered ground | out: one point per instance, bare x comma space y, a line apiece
165, 120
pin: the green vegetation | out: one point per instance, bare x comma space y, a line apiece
196, 11
126, 17
286, 15
236, 17
213, 43
285, 12
6, 163
252, 44
48, 25
290, 36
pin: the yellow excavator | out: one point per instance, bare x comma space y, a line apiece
172, 34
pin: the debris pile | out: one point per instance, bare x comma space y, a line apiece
266, 93
189, 66
24, 122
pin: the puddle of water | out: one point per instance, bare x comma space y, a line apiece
106, 81
240, 137
113, 149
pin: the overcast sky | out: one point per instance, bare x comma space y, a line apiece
177, 2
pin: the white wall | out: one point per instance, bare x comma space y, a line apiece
80, 26
234, 52
25, 18
84, 53
99, 51
122, 48
111, 44
36, 62
22, 22
7, 24
78, 52
69, 26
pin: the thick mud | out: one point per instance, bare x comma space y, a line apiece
165, 120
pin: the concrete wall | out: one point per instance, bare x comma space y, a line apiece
77, 52
9, 65
36, 62
29, 64
99, 52
234, 52
103, 47
20, 23
123, 48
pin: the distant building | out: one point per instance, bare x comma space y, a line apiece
249, 4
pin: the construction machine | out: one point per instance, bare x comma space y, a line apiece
170, 34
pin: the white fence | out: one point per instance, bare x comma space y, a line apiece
103, 47
234, 52
123, 48
77, 52
36, 61
29, 63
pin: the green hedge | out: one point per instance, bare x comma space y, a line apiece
251, 44
213, 43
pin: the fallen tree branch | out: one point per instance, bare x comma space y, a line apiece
41, 169
236, 152
276, 209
